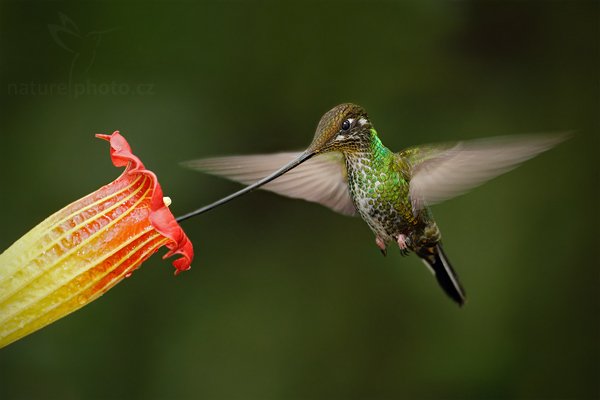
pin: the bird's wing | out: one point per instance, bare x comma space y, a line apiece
321, 179
438, 175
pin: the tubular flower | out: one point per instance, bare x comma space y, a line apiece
81, 251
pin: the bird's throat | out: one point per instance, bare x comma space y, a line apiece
370, 156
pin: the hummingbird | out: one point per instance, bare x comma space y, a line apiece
348, 169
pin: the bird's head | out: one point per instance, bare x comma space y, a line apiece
346, 127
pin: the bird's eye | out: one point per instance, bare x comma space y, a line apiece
346, 125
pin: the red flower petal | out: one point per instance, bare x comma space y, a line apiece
160, 216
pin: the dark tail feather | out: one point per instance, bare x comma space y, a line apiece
438, 263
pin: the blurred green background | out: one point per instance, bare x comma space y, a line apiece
286, 299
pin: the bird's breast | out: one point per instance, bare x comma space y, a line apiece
377, 194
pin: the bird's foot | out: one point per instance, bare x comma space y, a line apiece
402, 244
381, 244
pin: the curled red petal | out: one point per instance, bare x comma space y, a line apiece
160, 217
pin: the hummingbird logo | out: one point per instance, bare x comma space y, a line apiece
83, 46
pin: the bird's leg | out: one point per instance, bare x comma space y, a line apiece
402, 239
381, 244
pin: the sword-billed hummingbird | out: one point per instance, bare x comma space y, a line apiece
348, 169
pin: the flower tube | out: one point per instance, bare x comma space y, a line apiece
81, 251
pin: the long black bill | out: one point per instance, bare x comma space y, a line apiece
303, 157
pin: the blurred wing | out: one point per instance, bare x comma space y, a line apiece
321, 179
443, 174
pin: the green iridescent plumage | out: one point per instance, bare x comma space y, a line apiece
378, 180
